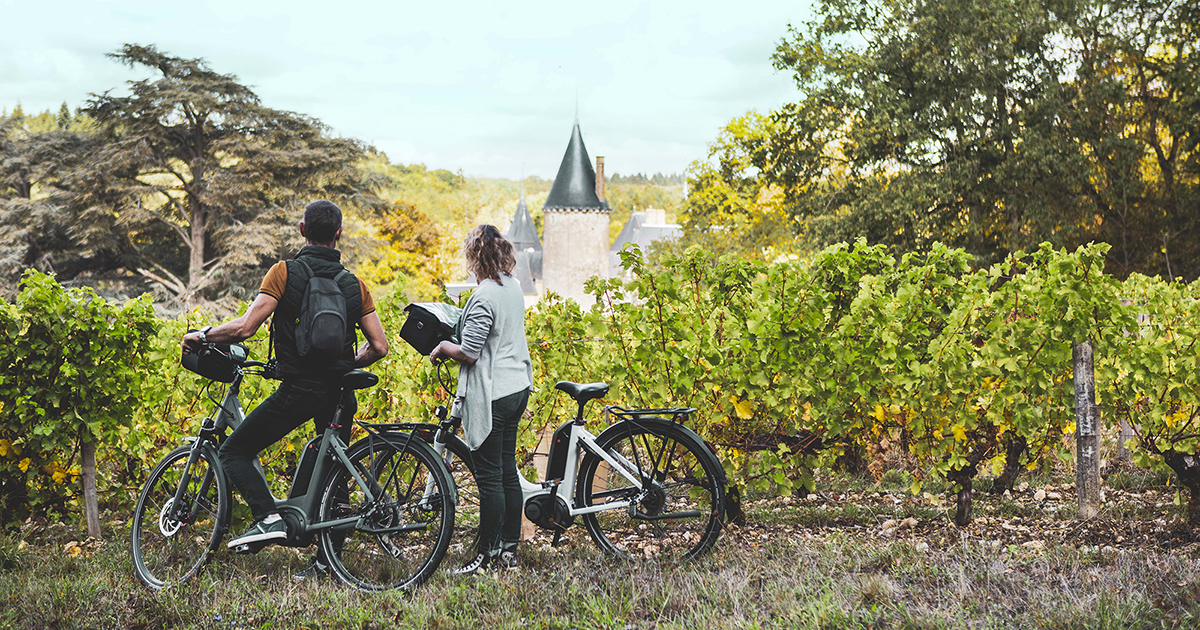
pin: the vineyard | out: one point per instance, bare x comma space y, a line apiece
855, 359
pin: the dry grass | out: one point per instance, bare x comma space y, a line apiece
798, 564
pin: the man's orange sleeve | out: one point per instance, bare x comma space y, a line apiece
276, 281
368, 302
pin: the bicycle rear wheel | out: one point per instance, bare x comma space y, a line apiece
169, 541
397, 539
678, 517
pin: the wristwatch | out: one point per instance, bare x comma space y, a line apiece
203, 332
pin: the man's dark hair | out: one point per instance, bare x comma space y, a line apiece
322, 220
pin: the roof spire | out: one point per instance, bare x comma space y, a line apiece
521, 232
574, 187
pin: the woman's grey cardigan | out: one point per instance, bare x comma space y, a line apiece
493, 333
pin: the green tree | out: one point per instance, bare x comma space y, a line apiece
945, 118
1134, 117
731, 207
39, 161
992, 125
203, 179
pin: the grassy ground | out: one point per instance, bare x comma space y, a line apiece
864, 555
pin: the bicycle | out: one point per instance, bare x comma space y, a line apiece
381, 510
646, 486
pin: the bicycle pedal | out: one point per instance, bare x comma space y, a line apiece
250, 548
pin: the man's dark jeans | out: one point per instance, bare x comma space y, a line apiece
282, 412
496, 473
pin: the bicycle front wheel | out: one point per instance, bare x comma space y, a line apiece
677, 511
171, 540
395, 529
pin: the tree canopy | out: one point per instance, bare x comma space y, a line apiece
993, 125
205, 178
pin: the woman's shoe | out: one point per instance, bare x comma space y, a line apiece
474, 566
507, 560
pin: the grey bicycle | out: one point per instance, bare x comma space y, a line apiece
381, 509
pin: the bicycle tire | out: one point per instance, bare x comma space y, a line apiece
684, 477
465, 542
361, 556
167, 549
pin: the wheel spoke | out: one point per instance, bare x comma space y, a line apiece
171, 543
682, 480
417, 531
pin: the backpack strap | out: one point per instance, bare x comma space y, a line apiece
338, 281
271, 333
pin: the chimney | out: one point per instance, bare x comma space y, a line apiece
600, 177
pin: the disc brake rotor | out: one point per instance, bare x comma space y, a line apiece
168, 525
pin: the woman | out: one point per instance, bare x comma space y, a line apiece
494, 378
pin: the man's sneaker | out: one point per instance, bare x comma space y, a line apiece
262, 531
316, 571
476, 565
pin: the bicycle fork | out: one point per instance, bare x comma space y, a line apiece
446, 427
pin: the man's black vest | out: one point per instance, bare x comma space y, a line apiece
325, 263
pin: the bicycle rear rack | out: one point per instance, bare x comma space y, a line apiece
677, 414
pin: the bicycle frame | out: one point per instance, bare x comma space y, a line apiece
581, 438
231, 414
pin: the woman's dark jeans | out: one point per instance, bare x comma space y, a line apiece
500, 498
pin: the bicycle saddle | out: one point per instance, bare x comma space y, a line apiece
582, 392
359, 379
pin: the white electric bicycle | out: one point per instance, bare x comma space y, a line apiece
647, 486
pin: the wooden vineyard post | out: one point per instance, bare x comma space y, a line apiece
1124, 455
90, 502
1087, 440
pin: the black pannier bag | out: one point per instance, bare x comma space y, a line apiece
219, 364
430, 323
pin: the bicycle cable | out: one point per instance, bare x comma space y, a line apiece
219, 403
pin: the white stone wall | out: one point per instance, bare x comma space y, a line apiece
575, 248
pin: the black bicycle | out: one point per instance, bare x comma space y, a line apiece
382, 509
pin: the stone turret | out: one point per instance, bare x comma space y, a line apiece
576, 225
527, 247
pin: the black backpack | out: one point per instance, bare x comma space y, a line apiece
321, 327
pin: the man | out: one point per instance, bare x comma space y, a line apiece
310, 385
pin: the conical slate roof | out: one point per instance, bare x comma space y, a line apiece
527, 247
523, 273
521, 232
575, 186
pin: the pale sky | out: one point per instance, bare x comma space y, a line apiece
486, 87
